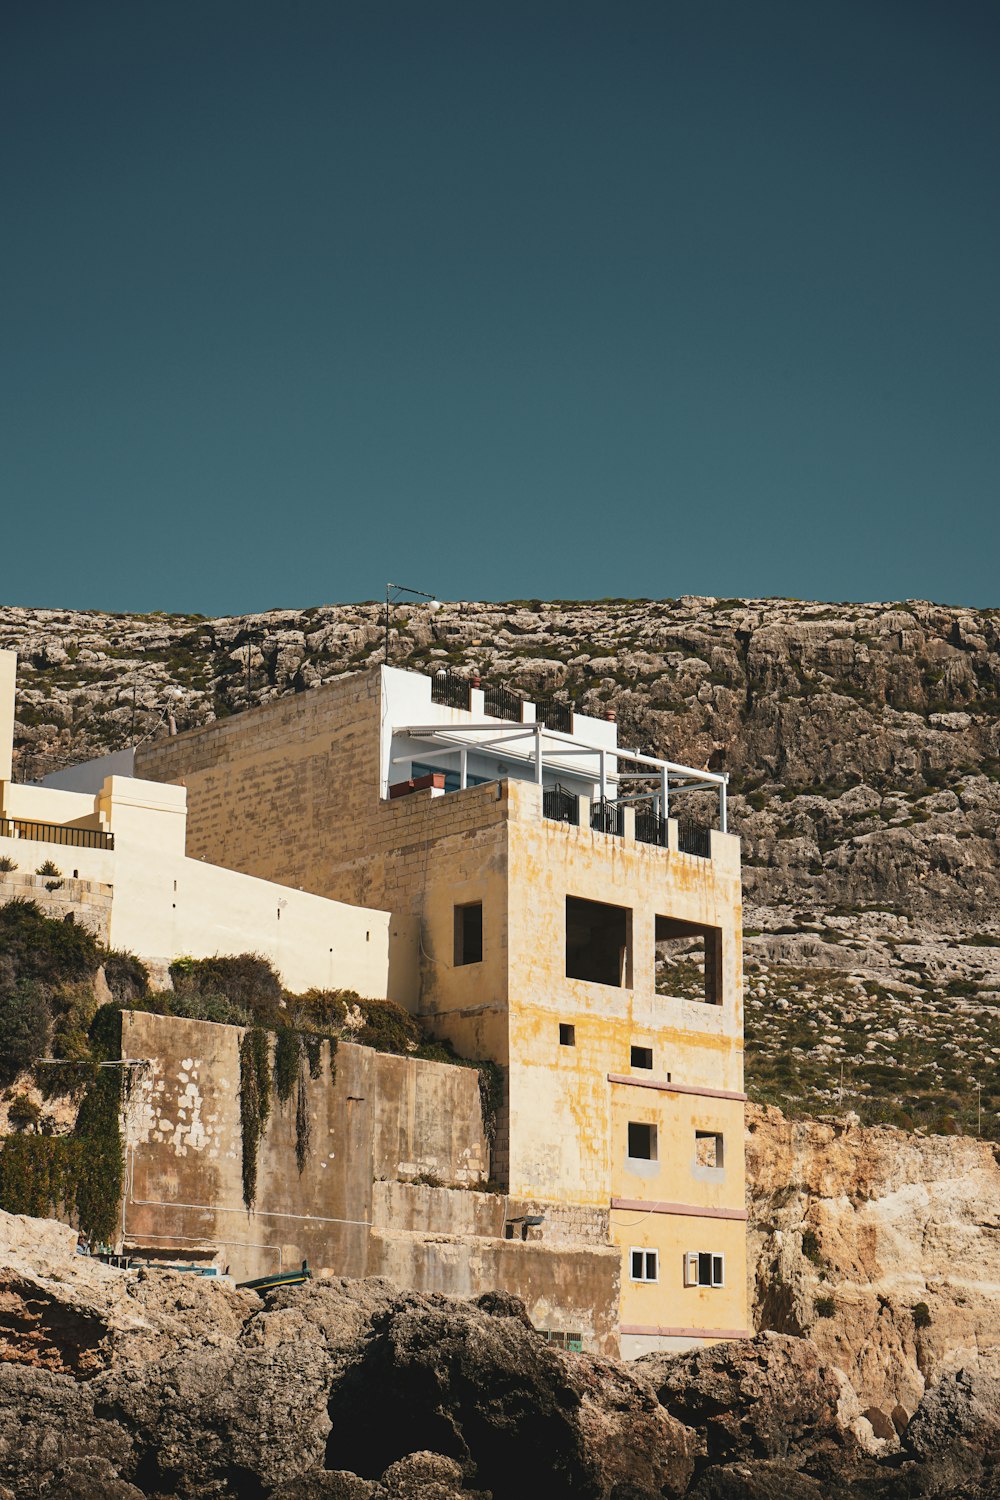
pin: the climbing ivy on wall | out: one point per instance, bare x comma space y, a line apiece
38, 1175
490, 1098
287, 1050
255, 1103
301, 1120
82, 1174
101, 1159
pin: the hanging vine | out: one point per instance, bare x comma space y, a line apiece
302, 1132
287, 1050
255, 1103
490, 1098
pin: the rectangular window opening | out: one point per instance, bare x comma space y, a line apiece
567, 1035
598, 942
688, 960
641, 1141
642, 1057
708, 1148
645, 1265
469, 934
704, 1268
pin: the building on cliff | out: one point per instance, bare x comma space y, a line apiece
530, 896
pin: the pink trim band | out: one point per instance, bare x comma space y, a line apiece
686, 1210
647, 1330
675, 1088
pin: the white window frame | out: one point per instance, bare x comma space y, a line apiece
692, 1269
647, 1256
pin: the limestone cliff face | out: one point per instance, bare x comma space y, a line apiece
802, 703
880, 1246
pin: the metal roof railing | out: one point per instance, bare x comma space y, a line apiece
537, 746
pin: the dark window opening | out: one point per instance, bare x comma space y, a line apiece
688, 960
642, 1057
708, 1148
567, 1035
469, 933
598, 942
641, 1141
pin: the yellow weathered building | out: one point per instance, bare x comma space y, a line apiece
567, 928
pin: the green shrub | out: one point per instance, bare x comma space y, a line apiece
48, 867
24, 1027
810, 1247
921, 1315
127, 976
43, 948
7, 865
322, 1011
246, 979
23, 1113
205, 1007
825, 1307
387, 1027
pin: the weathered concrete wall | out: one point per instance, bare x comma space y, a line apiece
385, 1116
354, 1209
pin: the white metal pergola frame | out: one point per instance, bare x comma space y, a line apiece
463, 737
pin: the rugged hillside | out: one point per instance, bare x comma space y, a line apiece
123, 1385
864, 746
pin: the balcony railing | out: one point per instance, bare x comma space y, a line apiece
451, 690
555, 715
650, 828
608, 817
500, 703
692, 838
561, 806
56, 833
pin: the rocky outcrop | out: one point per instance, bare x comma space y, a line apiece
358, 1391
882, 1247
862, 739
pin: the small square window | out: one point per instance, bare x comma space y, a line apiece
641, 1141
708, 1149
567, 1035
642, 1057
469, 934
645, 1265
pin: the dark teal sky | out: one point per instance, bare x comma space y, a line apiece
542, 299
